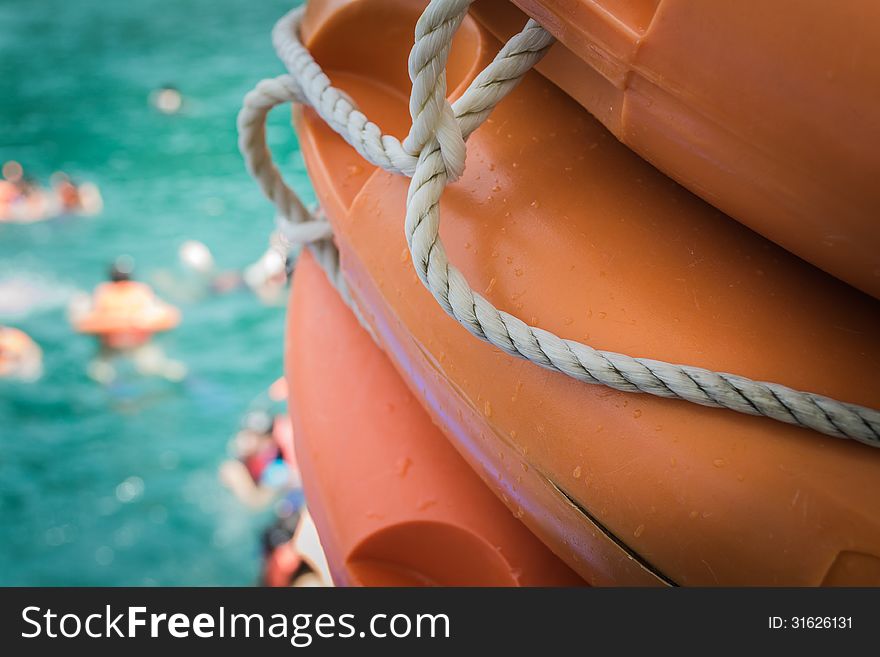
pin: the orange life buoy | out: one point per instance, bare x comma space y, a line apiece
556, 221
393, 502
737, 106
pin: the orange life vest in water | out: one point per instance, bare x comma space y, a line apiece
125, 314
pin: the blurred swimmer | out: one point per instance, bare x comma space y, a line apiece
123, 315
22, 200
12, 171
20, 357
9, 194
196, 257
257, 474
90, 200
292, 553
10, 188
31, 203
192, 278
167, 99
14, 189
198, 275
73, 198
66, 192
268, 276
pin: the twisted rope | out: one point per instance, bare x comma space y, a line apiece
433, 154
297, 226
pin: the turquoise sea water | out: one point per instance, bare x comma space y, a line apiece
118, 485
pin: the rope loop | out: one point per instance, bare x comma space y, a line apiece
296, 224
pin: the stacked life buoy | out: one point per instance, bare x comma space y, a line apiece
563, 237
396, 505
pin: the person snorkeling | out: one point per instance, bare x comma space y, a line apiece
124, 315
20, 357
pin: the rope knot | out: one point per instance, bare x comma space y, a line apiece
450, 140
434, 121
435, 126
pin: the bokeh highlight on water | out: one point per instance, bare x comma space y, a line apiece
118, 485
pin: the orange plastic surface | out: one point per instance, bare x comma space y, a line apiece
556, 221
127, 306
394, 503
768, 110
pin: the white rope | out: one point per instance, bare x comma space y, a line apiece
433, 154
296, 225
294, 221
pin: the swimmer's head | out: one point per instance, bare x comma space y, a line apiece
12, 171
258, 422
121, 269
196, 256
167, 99
59, 178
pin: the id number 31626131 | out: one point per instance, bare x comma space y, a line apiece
810, 623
